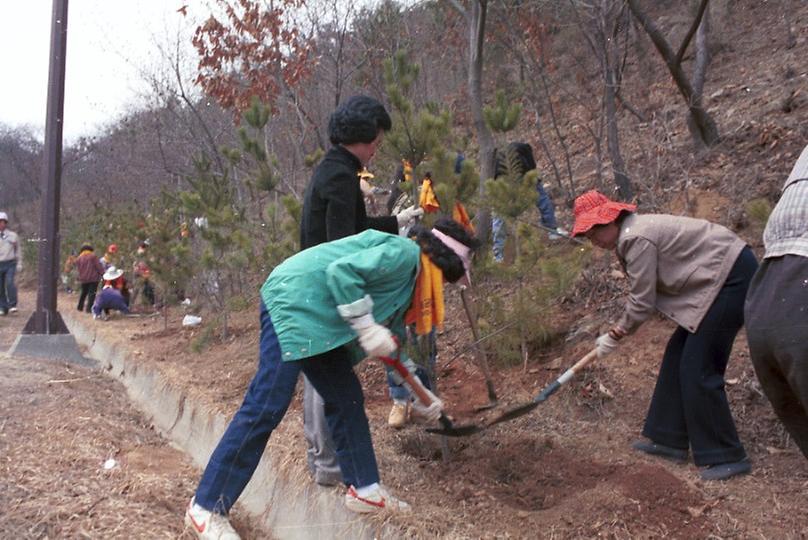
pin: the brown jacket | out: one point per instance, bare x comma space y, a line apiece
675, 265
89, 267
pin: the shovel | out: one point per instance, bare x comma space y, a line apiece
415, 385
522, 410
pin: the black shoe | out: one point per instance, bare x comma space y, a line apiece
723, 471
655, 449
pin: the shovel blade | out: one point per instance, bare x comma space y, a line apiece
515, 412
485, 407
456, 431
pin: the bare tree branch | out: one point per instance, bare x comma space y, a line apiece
459, 7
693, 28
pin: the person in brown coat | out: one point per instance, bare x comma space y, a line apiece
696, 273
90, 271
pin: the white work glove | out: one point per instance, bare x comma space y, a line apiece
606, 344
375, 339
429, 413
409, 214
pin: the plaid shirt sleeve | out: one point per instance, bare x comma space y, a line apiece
787, 230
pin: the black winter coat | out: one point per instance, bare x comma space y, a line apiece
333, 206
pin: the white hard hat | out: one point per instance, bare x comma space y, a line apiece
3, 216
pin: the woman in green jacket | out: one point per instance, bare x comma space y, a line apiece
335, 291
696, 273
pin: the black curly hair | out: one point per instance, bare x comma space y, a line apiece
358, 120
439, 253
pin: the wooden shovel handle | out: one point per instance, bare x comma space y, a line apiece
414, 384
583, 362
551, 388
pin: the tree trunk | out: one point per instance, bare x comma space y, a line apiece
621, 180
704, 126
561, 139
702, 56
486, 141
700, 69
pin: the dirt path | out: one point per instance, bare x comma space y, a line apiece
77, 460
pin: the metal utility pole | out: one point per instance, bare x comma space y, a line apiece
46, 320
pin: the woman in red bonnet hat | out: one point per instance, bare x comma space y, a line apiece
696, 273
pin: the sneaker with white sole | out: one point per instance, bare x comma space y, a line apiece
398, 415
558, 234
12, 309
377, 501
209, 525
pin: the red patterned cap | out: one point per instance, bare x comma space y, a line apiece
594, 208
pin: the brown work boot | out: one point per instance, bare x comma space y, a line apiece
398, 415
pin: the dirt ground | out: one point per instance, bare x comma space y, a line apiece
565, 471
59, 425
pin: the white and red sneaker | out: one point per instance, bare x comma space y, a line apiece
209, 525
376, 501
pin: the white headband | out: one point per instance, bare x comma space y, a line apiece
460, 249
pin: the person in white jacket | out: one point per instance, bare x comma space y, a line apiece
10, 264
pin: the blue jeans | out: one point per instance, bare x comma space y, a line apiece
546, 207
8, 291
399, 392
236, 457
498, 234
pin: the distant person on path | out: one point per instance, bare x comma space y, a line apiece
524, 155
333, 208
111, 297
110, 257
696, 273
67, 280
142, 275
358, 288
90, 270
10, 264
777, 307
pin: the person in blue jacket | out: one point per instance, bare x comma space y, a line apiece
357, 288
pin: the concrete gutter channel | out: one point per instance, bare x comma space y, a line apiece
287, 504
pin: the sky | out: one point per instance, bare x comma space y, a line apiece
109, 42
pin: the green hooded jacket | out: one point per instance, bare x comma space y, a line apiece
302, 293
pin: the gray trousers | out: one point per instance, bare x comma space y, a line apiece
776, 315
321, 453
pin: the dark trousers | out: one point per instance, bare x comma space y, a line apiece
235, 458
777, 330
689, 406
88, 291
8, 290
